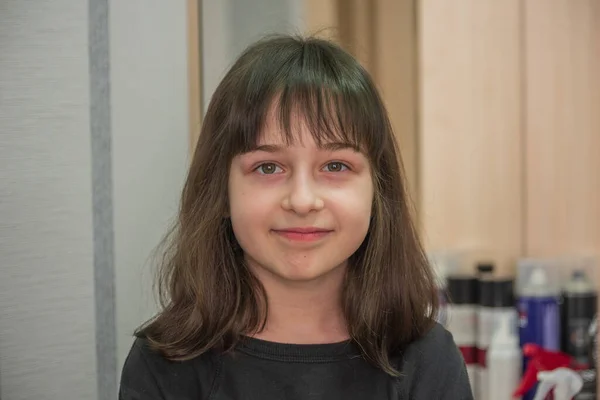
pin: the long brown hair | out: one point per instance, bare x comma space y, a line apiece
209, 297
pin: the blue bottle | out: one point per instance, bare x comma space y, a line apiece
539, 312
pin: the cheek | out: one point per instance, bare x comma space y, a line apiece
355, 200
249, 208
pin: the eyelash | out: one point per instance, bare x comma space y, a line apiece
343, 165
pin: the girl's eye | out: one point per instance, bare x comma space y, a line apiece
268, 169
336, 166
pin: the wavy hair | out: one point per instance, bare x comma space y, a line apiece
209, 298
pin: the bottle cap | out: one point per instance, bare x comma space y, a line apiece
485, 268
539, 283
580, 284
538, 277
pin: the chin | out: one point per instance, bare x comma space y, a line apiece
308, 273
296, 269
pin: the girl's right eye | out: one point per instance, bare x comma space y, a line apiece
268, 169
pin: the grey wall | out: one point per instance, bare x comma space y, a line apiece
150, 144
93, 151
228, 26
47, 317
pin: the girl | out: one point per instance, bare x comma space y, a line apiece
294, 270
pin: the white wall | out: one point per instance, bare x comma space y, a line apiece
93, 154
228, 26
148, 59
47, 339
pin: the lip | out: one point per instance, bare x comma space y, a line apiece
303, 234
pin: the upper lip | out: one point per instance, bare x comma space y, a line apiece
309, 229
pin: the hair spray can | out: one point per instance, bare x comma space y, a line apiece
538, 307
578, 312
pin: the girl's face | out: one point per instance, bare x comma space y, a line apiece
299, 211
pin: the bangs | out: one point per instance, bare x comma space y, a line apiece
309, 82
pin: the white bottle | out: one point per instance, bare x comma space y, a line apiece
504, 360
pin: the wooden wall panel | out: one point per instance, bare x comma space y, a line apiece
395, 69
381, 34
322, 18
563, 127
470, 127
194, 70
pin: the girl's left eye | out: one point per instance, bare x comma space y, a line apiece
336, 166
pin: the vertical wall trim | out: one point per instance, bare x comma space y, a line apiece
523, 127
102, 199
194, 31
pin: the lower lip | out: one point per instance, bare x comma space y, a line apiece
303, 236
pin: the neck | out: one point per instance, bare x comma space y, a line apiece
305, 312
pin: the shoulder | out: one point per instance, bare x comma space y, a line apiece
147, 375
434, 368
437, 343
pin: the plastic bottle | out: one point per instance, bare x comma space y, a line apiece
541, 360
462, 320
578, 311
565, 382
486, 323
504, 302
504, 360
539, 313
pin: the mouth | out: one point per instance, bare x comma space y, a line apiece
308, 234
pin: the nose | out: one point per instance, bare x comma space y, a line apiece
302, 196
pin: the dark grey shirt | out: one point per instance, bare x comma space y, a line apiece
432, 368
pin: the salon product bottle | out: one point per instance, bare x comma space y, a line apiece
504, 359
485, 324
539, 313
485, 270
486, 320
578, 311
504, 305
462, 320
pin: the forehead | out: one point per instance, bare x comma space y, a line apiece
292, 128
273, 132
273, 138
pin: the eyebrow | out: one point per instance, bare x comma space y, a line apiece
332, 146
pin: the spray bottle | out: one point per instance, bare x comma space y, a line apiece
542, 360
504, 359
563, 382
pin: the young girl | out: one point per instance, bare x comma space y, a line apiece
294, 270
